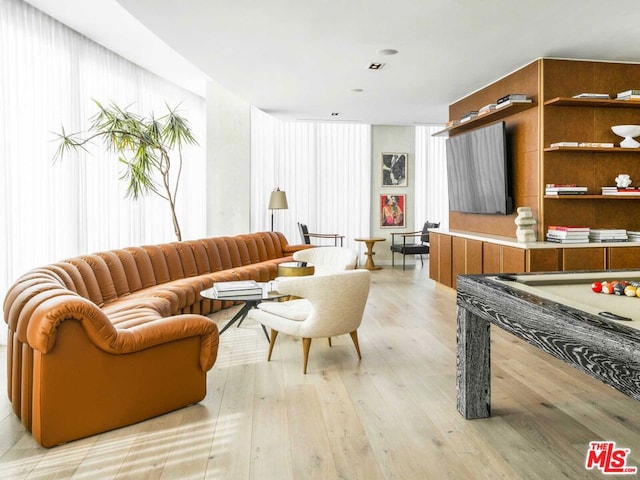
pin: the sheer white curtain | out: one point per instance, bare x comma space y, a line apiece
325, 169
49, 75
432, 194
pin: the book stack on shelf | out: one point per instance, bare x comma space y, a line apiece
582, 144
564, 189
567, 234
598, 96
629, 95
599, 235
237, 288
633, 236
452, 123
487, 109
512, 98
469, 116
630, 191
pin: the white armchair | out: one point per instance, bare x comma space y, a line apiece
331, 305
328, 259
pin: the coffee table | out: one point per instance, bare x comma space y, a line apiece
250, 301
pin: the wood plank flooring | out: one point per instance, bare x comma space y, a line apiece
391, 415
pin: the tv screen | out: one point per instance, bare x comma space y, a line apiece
478, 171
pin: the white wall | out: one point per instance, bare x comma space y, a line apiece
229, 173
386, 139
228, 162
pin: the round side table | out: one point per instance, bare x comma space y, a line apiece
369, 242
295, 269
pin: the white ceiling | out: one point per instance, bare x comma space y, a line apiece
299, 59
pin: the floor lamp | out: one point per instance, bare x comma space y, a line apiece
277, 201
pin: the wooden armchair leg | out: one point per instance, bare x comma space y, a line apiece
354, 337
306, 345
272, 342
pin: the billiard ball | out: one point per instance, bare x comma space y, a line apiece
596, 287
618, 288
630, 291
607, 288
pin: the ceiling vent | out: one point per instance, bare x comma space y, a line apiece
376, 66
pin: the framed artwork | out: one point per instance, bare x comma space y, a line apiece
394, 169
392, 210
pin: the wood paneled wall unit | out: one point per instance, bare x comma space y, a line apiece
553, 116
556, 117
522, 131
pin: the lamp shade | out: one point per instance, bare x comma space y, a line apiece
278, 200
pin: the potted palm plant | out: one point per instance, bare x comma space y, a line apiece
144, 147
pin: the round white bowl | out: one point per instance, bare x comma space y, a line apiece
628, 132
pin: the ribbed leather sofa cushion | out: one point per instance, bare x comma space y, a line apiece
166, 278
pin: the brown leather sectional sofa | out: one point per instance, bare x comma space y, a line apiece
106, 340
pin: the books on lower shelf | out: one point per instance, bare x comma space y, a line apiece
567, 240
237, 288
633, 236
558, 189
608, 235
567, 234
569, 228
630, 191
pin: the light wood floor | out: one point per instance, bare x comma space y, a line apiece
389, 416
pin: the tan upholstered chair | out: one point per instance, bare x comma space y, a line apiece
331, 305
328, 259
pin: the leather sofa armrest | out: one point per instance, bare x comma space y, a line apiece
43, 325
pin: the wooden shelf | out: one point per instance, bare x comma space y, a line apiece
592, 197
591, 102
592, 149
493, 116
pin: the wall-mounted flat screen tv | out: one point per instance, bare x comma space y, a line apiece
478, 171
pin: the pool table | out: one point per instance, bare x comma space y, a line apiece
597, 333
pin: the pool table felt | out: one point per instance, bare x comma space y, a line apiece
574, 290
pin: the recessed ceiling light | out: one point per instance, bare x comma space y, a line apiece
376, 66
388, 51
356, 90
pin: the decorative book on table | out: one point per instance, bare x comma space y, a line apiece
237, 288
